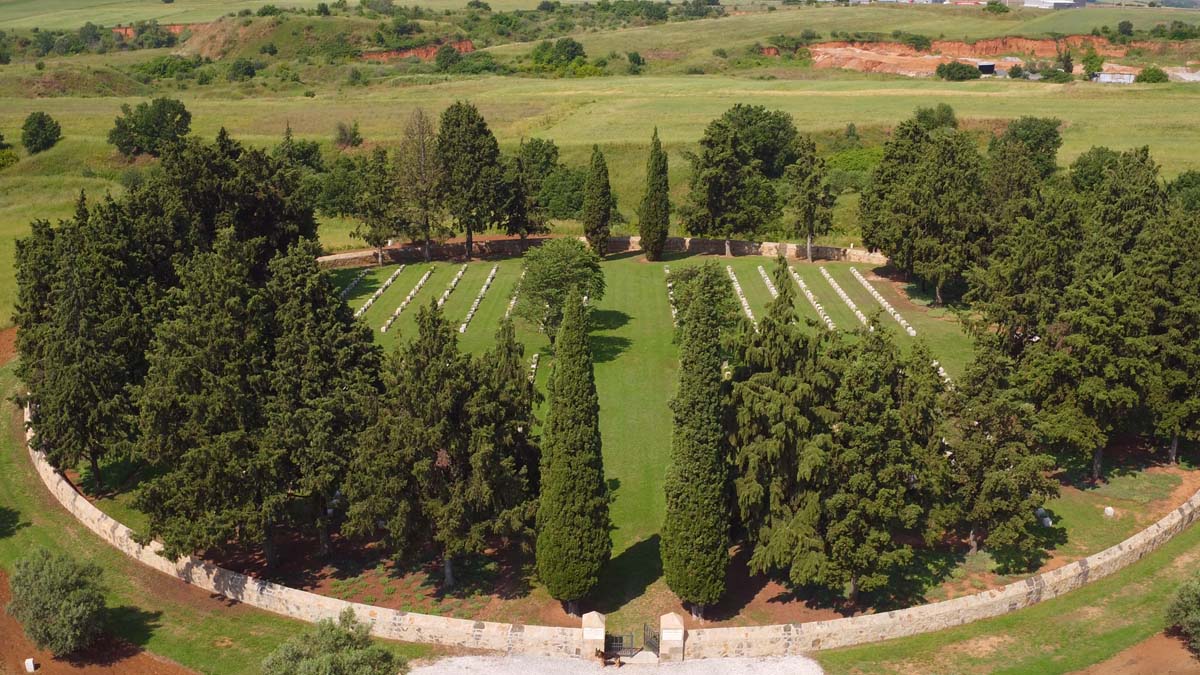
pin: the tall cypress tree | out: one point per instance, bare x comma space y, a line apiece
573, 539
471, 174
324, 375
597, 203
35, 267
655, 213
695, 534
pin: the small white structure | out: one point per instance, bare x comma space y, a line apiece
1115, 78
1109, 512
30, 666
1051, 4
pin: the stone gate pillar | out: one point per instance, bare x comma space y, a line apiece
671, 636
593, 633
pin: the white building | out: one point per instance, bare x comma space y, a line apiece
1052, 4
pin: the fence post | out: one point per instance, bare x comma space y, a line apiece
671, 636
593, 634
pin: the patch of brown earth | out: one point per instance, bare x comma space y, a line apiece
110, 656
8, 345
1160, 655
901, 59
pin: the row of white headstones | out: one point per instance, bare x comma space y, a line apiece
812, 299
412, 294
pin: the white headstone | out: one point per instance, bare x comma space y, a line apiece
1109, 512
30, 666
1047, 522
1041, 513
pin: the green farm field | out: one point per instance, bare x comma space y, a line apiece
617, 113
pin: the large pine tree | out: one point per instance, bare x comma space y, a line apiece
214, 479
655, 212
695, 534
597, 204
419, 175
471, 175
573, 538
324, 376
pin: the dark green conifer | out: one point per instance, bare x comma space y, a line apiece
573, 541
695, 534
655, 213
471, 172
597, 204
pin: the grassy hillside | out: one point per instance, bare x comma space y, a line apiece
618, 113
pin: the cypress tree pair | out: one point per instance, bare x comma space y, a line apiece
695, 535
573, 542
597, 204
655, 213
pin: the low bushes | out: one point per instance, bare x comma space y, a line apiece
957, 71
58, 600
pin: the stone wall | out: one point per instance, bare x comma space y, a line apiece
774, 640
387, 623
507, 248
788, 639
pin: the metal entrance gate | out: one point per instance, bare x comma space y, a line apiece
625, 645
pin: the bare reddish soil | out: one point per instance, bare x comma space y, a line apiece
109, 657
426, 53
8, 345
1160, 655
900, 59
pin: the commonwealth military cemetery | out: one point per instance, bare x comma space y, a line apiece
359, 338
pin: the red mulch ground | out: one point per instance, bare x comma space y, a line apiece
110, 657
1159, 655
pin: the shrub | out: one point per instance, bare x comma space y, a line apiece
333, 648
1152, 75
269, 49
446, 58
1016, 72
1056, 76
996, 7
1183, 613
8, 157
562, 192
241, 69
347, 136
720, 53
150, 127
58, 601
957, 71
40, 132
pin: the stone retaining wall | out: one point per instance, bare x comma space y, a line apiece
774, 640
789, 639
387, 623
507, 248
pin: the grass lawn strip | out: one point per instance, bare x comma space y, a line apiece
478, 298
741, 296
812, 299
841, 293
406, 301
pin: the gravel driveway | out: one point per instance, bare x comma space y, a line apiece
530, 665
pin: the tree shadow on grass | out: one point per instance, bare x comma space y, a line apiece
628, 575
607, 319
10, 522
131, 626
607, 348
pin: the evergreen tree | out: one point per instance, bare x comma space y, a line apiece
879, 469
939, 207
519, 209
1165, 279
470, 159
880, 229
378, 204
655, 213
695, 534
811, 199
1040, 135
999, 480
780, 428
573, 540
729, 194
324, 376
35, 268
419, 176
215, 479
597, 204
90, 349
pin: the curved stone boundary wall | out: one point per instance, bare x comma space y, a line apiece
387, 623
676, 644
514, 247
788, 639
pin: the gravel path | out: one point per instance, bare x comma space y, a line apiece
530, 665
